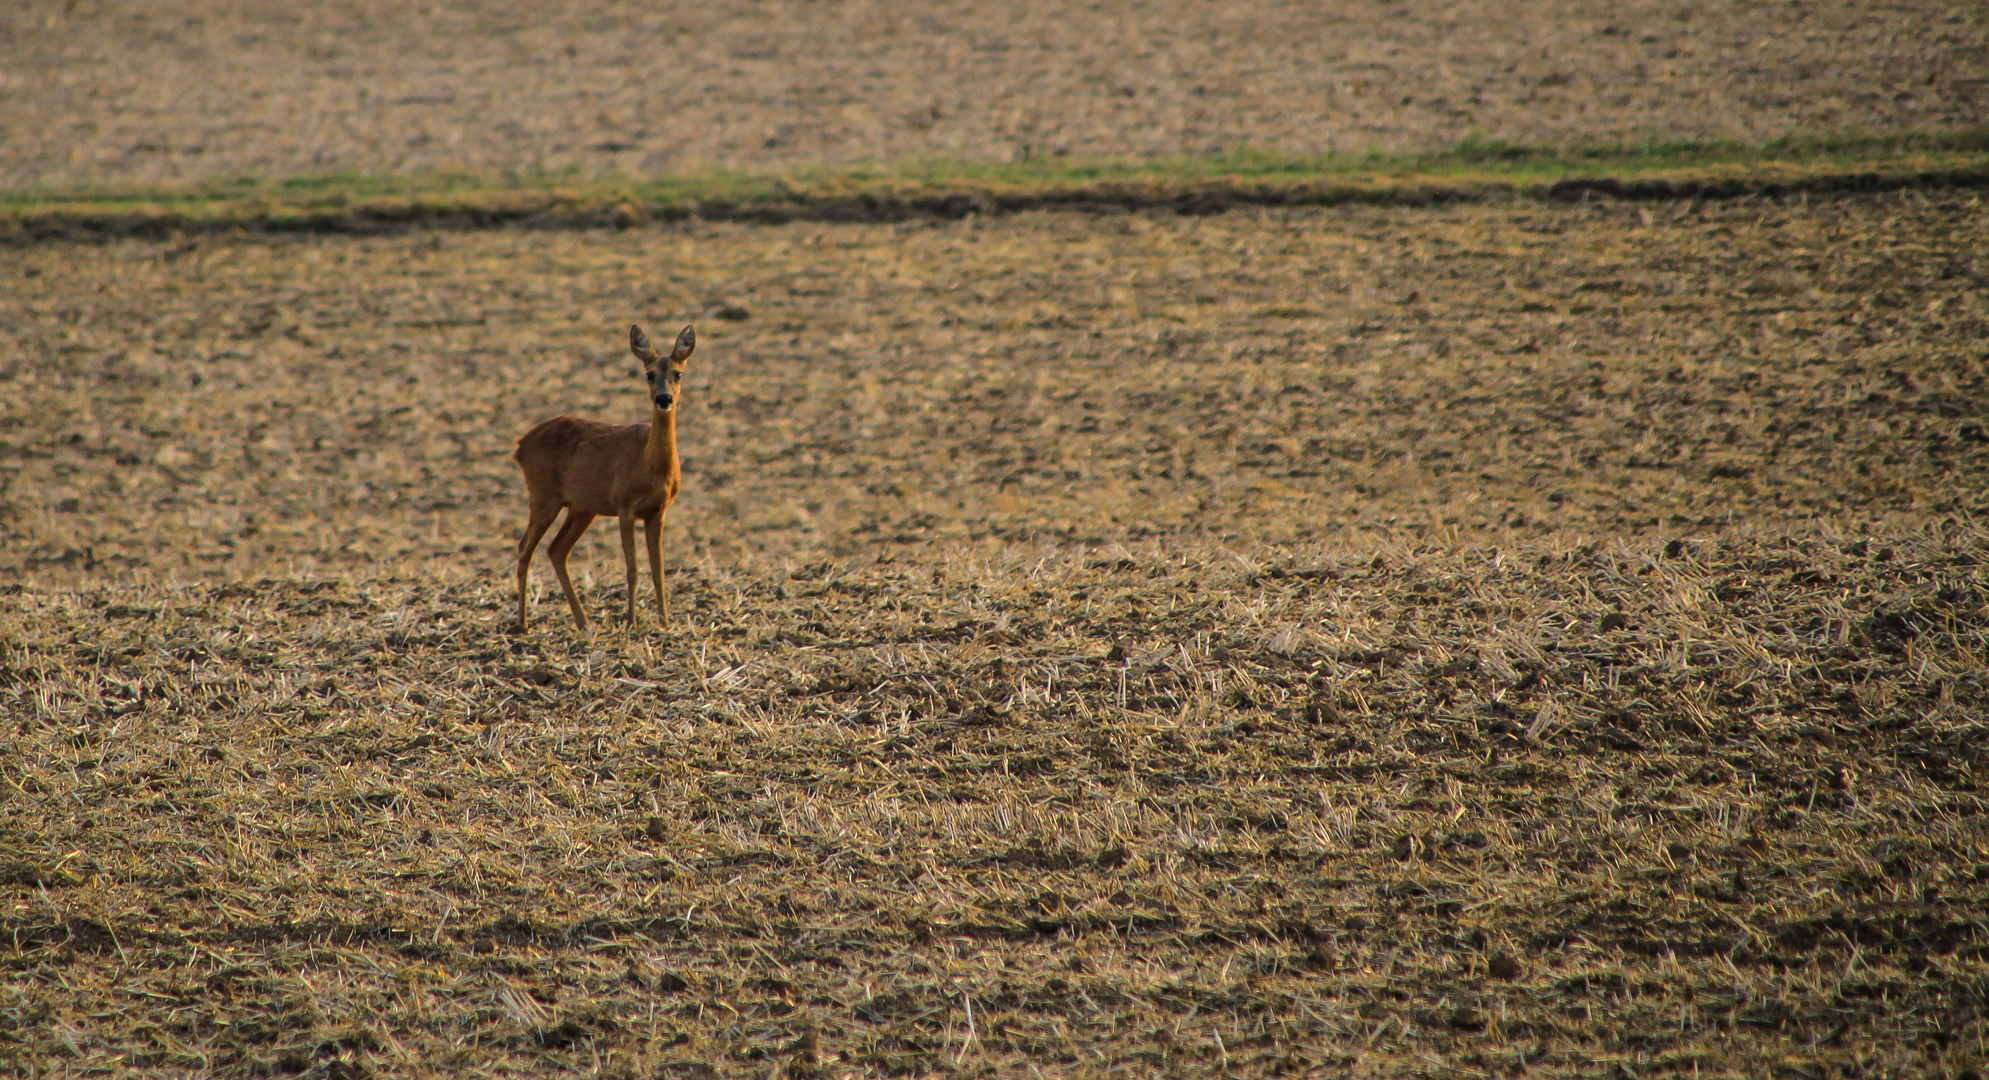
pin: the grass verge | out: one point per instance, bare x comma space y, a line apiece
1474, 170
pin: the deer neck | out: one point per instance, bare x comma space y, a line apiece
661, 453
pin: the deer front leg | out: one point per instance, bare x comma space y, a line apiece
628, 560
562, 546
652, 532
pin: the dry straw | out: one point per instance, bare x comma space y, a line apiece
1486, 639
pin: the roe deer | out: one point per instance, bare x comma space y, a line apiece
594, 469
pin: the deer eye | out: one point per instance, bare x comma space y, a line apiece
650, 375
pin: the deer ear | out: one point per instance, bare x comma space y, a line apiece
638, 343
686, 341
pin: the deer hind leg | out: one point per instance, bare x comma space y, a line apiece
562, 546
652, 532
541, 519
628, 560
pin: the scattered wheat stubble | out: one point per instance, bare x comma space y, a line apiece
229, 409
1304, 814
1340, 746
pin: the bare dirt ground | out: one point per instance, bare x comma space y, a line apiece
1372, 641
1483, 640
215, 410
134, 92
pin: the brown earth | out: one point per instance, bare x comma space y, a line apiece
1473, 640
128, 91
217, 409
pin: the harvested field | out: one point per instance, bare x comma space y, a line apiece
125, 91
218, 411
1492, 639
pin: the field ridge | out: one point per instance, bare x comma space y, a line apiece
1474, 171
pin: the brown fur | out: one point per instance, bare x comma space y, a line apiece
595, 470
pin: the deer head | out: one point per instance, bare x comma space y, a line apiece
666, 376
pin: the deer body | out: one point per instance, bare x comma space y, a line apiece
590, 469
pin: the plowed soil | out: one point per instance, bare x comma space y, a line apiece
127, 91
1381, 642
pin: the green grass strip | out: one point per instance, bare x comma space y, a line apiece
1474, 169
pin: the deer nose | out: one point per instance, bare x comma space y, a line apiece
663, 401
